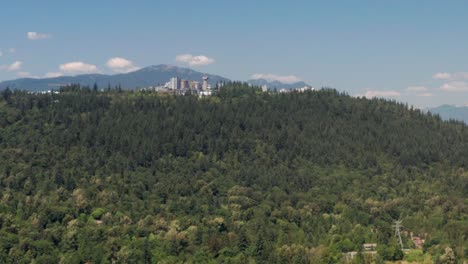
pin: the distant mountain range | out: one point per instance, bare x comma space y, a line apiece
149, 76
447, 112
160, 74
277, 84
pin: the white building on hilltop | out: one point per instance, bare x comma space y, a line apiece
204, 93
305, 88
205, 83
175, 83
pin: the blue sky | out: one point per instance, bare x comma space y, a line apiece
410, 51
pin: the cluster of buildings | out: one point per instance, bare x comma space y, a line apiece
180, 86
301, 89
45, 92
202, 88
284, 90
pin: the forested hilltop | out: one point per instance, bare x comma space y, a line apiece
238, 177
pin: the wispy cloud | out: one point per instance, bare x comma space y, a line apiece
11, 50
37, 35
192, 60
460, 76
121, 65
78, 67
425, 94
455, 86
454, 82
455, 76
15, 66
273, 77
442, 76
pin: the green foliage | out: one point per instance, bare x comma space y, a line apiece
448, 257
98, 213
391, 251
239, 177
415, 255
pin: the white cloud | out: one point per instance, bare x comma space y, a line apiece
272, 77
53, 74
191, 60
455, 87
24, 74
121, 65
12, 67
442, 76
456, 76
37, 36
379, 93
78, 67
416, 89
460, 76
425, 94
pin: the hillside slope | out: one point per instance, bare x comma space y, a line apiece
137, 177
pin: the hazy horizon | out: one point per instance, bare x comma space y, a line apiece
410, 52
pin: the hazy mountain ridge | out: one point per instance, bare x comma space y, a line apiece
447, 112
148, 76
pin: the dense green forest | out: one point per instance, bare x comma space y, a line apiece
116, 176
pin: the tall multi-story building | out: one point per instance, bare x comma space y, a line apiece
194, 85
184, 84
175, 83
205, 83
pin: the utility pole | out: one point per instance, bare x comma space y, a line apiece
398, 227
